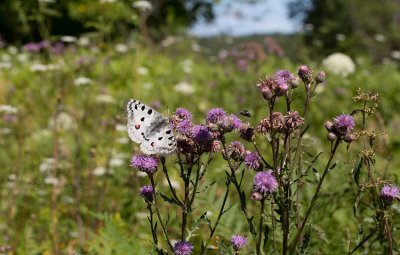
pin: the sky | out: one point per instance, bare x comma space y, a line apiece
233, 18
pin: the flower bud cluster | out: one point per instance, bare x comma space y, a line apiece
341, 128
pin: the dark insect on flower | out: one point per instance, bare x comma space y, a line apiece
245, 113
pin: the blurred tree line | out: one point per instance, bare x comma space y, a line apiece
32, 20
352, 27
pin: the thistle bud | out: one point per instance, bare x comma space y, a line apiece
348, 138
320, 78
329, 126
266, 92
331, 136
305, 74
256, 196
294, 83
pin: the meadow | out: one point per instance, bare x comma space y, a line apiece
67, 186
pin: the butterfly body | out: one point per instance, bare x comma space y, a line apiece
150, 129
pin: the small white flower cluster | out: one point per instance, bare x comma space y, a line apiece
340, 64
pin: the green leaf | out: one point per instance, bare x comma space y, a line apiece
356, 170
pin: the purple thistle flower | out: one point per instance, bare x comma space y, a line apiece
201, 134
236, 150
389, 193
183, 248
287, 76
185, 127
231, 122
147, 192
281, 86
305, 74
144, 163
265, 182
238, 242
215, 115
32, 47
183, 114
252, 160
344, 123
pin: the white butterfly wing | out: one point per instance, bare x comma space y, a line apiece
140, 117
149, 128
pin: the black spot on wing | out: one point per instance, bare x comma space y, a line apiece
143, 107
135, 106
168, 131
160, 138
142, 119
170, 138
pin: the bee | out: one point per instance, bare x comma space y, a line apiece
245, 113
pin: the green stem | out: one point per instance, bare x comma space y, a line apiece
314, 199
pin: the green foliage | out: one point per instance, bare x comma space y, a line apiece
92, 172
354, 27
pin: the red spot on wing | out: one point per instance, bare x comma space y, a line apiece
137, 126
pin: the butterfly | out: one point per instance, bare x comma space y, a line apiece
150, 129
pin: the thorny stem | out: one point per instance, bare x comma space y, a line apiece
186, 201
315, 197
164, 168
159, 216
221, 212
237, 186
153, 232
371, 234
260, 227
305, 110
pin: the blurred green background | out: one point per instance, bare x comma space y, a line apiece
66, 67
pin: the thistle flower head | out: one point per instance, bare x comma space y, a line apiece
147, 192
293, 121
252, 160
246, 132
238, 242
231, 122
145, 163
201, 134
344, 123
305, 74
389, 193
215, 115
185, 127
183, 114
183, 248
265, 182
236, 150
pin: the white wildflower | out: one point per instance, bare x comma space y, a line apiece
123, 140
99, 171
120, 128
23, 57
187, 65
142, 5
380, 38
68, 39
5, 65
184, 88
339, 63
83, 41
340, 37
5, 108
196, 47
64, 121
51, 180
142, 70
82, 81
104, 99
12, 50
121, 48
39, 67
47, 164
395, 54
